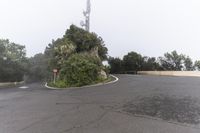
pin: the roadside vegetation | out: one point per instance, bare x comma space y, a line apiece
12, 61
78, 57
133, 62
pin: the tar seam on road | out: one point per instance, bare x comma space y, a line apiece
87, 124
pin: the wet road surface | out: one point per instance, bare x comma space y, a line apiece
134, 104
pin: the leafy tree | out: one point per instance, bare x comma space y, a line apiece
150, 64
188, 64
116, 65
172, 61
79, 70
86, 41
12, 61
58, 52
13, 51
75, 40
2, 49
197, 65
37, 68
10, 71
64, 53
133, 62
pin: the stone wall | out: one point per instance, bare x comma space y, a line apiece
171, 73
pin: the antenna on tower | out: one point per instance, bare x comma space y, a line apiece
86, 14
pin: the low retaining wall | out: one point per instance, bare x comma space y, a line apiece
171, 73
10, 84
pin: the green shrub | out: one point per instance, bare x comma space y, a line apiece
59, 84
80, 70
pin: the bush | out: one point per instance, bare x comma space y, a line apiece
80, 70
59, 84
11, 71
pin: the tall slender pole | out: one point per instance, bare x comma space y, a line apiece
86, 14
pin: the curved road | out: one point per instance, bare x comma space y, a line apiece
134, 104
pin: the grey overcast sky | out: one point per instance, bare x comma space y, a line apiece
150, 27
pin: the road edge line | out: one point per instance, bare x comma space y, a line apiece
87, 86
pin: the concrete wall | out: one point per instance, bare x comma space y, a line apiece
10, 84
171, 73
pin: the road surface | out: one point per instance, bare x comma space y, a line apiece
134, 104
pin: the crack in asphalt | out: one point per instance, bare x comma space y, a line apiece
87, 124
118, 108
34, 123
45, 119
156, 119
84, 103
119, 111
182, 110
61, 116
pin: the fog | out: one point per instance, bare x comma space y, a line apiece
148, 27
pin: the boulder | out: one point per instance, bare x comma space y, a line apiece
103, 74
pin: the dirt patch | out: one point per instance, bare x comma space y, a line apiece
182, 110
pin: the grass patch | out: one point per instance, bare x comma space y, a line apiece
63, 84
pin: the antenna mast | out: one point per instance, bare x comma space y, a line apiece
86, 14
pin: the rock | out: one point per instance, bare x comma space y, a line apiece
103, 74
95, 52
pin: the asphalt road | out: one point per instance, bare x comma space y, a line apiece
134, 104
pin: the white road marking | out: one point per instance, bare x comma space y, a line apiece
24, 87
100, 84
